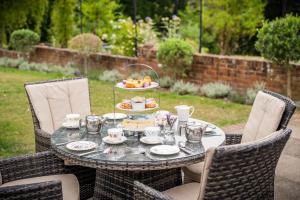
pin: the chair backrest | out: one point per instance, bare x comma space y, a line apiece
50, 101
243, 171
270, 112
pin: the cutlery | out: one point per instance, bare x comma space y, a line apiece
64, 143
147, 155
90, 152
184, 150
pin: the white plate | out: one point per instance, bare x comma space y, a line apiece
131, 110
153, 85
81, 145
72, 125
209, 129
164, 150
151, 140
115, 116
109, 140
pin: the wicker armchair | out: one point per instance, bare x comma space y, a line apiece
279, 104
241, 171
290, 107
86, 176
30, 166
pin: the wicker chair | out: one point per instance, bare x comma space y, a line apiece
241, 171
193, 172
86, 176
31, 166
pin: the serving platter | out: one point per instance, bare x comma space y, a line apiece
118, 106
152, 86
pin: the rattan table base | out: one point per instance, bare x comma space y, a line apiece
113, 184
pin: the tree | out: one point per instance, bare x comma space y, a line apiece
224, 22
20, 14
279, 41
97, 15
63, 21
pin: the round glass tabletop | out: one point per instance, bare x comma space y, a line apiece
132, 154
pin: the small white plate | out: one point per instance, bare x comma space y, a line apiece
153, 85
165, 150
110, 140
71, 125
115, 116
151, 140
81, 145
131, 110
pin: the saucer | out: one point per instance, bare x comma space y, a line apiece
71, 125
151, 140
165, 150
110, 140
81, 145
115, 116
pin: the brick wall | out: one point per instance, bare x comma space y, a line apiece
240, 72
13, 54
61, 56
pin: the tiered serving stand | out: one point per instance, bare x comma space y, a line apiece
137, 114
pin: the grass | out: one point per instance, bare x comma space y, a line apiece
16, 129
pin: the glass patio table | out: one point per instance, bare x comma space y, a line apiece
117, 166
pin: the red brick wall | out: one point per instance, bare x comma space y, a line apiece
241, 72
61, 56
13, 54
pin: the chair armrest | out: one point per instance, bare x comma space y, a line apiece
143, 192
233, 138
42, 133
46, 190
28, 166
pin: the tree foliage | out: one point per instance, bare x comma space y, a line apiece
98, 15
279, 40
63, 21
20, 14
224, 22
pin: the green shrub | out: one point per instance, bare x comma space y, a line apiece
182, 88
10, 62
215, 90
86, 42
252, 92
236, 97
279, 41
110, 75
23, 40
166, 82
48, 68
142, 74
176, 56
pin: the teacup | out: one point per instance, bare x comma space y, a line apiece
115, 133
152, 131
72, 118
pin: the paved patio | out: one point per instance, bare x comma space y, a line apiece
287, 181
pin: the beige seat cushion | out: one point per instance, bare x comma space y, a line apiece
188, 191
194, 171
52, 101
264, 117
70, 185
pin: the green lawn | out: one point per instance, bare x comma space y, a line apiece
16, 129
